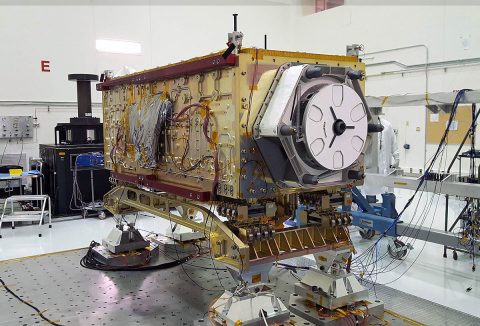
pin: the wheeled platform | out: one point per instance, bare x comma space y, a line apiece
382, 218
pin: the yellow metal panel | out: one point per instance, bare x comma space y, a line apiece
230, 94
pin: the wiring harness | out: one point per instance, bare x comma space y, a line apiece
76, 200
368, 265
146, 121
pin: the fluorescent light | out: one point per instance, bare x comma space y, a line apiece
116, 46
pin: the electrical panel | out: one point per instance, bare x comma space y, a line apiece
16, 127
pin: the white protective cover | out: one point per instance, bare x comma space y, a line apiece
388, 158
318, 126
284, 90
125, 70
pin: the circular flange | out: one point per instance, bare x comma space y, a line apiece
335, 126
83, 77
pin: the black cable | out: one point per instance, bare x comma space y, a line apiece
424, 178
209, 241
443, 142
29, 304
196, 266
176, 251
384, 269
4, 149
440, 149
76, 200
291, 267
21, 152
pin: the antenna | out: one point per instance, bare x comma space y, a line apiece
235, 22
234, 40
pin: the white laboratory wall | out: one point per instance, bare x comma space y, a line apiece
65, 35
451, 32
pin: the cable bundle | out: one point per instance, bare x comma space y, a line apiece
209, 137
146, 121
76, 201
93, 160
366, 265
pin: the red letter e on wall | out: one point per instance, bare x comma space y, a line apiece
45, 64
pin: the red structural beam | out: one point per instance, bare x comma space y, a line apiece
172, 71
150, 181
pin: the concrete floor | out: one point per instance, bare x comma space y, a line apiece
423, 273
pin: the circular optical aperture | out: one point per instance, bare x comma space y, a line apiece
335, 126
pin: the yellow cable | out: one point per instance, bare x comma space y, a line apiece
41, 255
384, 100
341, 311
403, 318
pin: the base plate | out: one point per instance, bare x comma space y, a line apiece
232, 310
373, 312
77, 296
132, 258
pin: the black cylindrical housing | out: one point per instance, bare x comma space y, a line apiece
84, 99
310, 179
313, 72
287, 130
355, 175
355, 74
84, 93
375, 127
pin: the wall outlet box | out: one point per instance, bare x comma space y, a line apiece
16, 127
